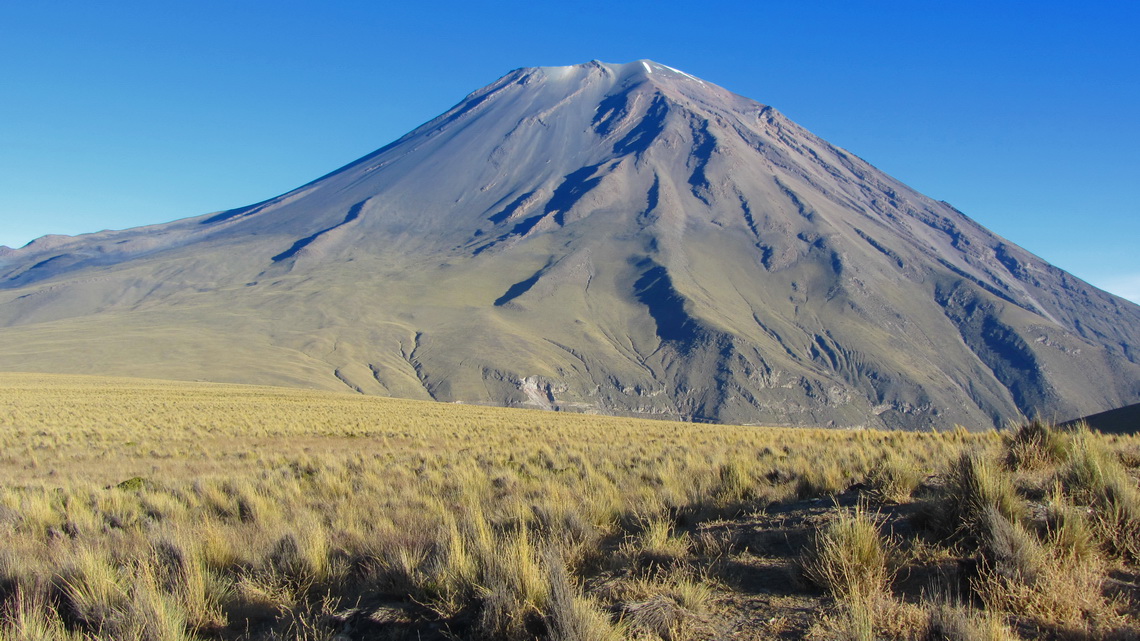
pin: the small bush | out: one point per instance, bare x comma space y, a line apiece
571, 616
1096, 478
957, 623
975, 485
1034, 445
133, 484
849, 557
1022, 574
894, 480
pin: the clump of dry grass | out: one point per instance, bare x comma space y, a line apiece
1034, 445
1040, 563
849, 557
671, 605
30, 617
894, 479
1095, 477
572, 616
974, 485
658, 544
1023, 574
820, 480
949, 622
852, 560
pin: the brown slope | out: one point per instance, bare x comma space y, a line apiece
1122, 420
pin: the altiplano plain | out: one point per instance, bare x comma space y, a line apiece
136, 509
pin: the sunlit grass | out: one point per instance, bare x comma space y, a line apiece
147, 509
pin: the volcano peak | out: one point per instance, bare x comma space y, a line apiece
619, 238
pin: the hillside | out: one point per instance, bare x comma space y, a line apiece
616, 239
1122, 420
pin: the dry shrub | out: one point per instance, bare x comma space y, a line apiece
974, 486
1095, 477
958, 623
894, 480
571, 616
849, 557
1024, 575
1034, 445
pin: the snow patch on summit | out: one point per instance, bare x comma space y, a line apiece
689, 76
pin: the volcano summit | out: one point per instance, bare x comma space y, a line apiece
624, 239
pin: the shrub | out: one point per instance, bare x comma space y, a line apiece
956, 623
1095, 477
1035, 444
975, 485
849, 557
1022, 574
893, 480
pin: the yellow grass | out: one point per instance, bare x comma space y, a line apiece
161, 510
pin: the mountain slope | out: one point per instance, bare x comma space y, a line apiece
616, 238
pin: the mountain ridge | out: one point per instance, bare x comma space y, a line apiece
613, 238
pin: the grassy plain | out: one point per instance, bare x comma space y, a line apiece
149, 510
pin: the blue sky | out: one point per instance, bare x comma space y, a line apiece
1021, 114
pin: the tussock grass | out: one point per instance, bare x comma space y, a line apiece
849, 557
1096, 478
975, 485
28, 616
949, 622
1036, 444
1027, 575
573, 616
150, 510
894, 479
1040, 561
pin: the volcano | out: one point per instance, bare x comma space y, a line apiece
621, 239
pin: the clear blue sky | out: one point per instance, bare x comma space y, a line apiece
1021, 114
